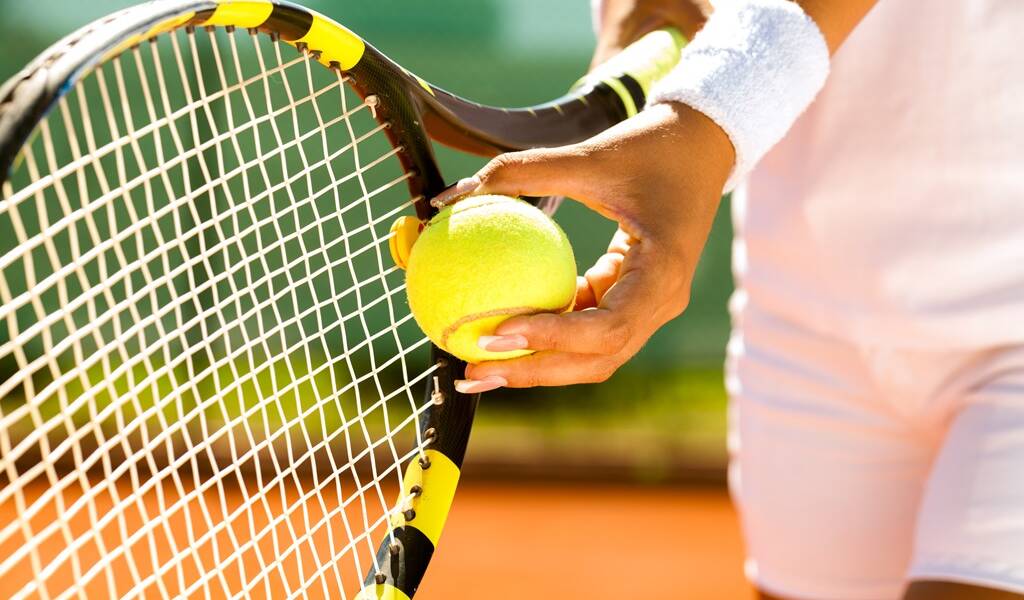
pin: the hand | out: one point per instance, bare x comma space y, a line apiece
660, 176
623, 22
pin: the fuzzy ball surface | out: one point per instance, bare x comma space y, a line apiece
481, 261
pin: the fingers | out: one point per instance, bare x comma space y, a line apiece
603, 275
664, 208
594, 284
584, 295
595, 331
588, 345
455, 192
621, 242
574, 171
542, 368
485, 383
632, 296
538, 172
650, 290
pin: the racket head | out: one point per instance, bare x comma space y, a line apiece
134, 153
46, 149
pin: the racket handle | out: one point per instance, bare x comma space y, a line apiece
644, 62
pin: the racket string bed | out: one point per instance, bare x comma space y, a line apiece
210, 384
209, 387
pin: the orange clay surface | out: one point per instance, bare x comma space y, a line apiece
508, 541
518, 542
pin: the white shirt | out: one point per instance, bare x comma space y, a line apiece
893, 211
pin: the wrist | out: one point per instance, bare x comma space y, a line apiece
708, 165
753, 69
695, 157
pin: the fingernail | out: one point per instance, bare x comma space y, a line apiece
477, 386
502, 343
456, 192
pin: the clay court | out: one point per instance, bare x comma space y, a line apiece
508, 542
503, 541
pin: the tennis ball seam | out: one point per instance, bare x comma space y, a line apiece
514, 311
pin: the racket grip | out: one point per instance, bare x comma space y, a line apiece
645, 61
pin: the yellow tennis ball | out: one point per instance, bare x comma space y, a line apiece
481, 261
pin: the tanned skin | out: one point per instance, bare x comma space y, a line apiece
635, 174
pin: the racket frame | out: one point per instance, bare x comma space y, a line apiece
414, 112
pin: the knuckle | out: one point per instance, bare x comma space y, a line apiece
496, 168
607, 264
586, 150
506, 160
682, 296
544, 334
528, 379
680, 304
618, 336
604, 372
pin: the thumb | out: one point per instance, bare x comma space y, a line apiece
563, 171
536, 172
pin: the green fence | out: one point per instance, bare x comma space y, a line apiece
508, 52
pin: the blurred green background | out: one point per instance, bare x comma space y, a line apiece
662, 416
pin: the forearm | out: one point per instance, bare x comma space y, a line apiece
659, 175
836, 19
622, 22
756, 65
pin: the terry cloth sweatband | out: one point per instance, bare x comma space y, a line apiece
753, 69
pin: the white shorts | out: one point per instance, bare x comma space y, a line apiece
857, 469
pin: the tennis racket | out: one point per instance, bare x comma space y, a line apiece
210, 383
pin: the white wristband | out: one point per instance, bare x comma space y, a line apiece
753, 69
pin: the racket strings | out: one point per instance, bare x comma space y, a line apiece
207, 385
